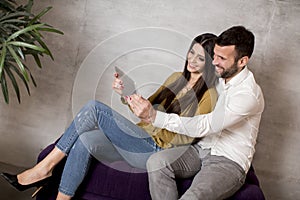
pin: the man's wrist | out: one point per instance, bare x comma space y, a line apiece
159, 119
152, 115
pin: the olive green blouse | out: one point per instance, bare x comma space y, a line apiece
167, 139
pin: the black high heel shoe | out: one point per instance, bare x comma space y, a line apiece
13, 180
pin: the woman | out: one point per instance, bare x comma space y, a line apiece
188, 93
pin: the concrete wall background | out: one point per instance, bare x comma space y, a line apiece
144, 36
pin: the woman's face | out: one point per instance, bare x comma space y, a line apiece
196, 59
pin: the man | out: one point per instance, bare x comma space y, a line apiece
220, 161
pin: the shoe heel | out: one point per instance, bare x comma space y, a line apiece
36, 191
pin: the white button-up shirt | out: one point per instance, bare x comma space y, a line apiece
230, 130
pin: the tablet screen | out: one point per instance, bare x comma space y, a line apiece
129, 84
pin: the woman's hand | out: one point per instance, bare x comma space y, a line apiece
142, 108
117, 84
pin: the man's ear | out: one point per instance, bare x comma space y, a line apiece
243, 61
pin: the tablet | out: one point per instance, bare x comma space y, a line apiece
129, 84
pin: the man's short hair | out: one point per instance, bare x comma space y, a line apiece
239, 36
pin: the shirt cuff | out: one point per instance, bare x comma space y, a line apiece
160, 119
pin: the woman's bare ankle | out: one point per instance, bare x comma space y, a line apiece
43, 169
61, 196
33, 175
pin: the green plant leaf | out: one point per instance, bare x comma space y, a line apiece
20, 36
14, 15
19, 62
33, 81
4, 88
14, 83
11, 26
53, 30
26, 37
24, 30
20, 52
35, 36
13, 21
38, 16
29, 5
2, 58
3, 31
1, 13
27, 45
20, 75
37, 60
7, 5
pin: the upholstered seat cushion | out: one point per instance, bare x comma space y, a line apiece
105, 182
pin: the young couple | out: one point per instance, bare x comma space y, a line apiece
202, 122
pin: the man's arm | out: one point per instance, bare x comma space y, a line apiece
226, 114
142, 108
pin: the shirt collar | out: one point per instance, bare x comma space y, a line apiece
237, 79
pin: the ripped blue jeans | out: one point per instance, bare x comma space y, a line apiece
114, 131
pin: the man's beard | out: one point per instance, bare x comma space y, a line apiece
229, 72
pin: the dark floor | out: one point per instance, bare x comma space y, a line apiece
7, 192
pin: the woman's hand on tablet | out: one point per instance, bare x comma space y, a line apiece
117, 84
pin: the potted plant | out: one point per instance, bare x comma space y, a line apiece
20, 37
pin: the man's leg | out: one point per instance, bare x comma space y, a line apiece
219, 178
167, 164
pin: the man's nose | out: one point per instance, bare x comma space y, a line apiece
215, 61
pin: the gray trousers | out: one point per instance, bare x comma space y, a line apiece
216, 177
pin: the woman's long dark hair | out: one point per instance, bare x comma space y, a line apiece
192, 97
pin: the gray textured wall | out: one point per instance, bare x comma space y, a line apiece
144, 36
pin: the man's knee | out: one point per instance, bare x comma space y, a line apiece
157, 161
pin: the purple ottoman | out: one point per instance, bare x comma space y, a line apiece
107, 183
